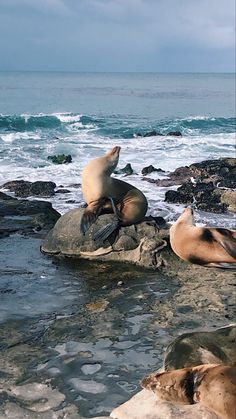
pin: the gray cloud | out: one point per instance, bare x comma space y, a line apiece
117, 35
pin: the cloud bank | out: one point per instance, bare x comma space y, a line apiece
117, 35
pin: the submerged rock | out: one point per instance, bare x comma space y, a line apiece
23, 188
175, 133
60, 159
140, 244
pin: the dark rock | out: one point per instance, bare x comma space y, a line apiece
63, 191
75, 185
174, 197
13, 185
5, 197
175, 133
150, 169
152, 134
60, 159
191, 349
25, 216
127, 170
203, 194
223, 170
207, 176
24, 188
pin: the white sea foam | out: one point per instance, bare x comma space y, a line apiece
196, 118
168, 153
13, 136
67, 117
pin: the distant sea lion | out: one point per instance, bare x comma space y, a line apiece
103, 193
211, 247
211, 385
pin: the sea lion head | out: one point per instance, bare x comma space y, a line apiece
175, 386
112, 158
186, 216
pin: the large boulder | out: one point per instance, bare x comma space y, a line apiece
140, 244
23, 216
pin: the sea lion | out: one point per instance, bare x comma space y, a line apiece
103, 193
211, 385
207, 246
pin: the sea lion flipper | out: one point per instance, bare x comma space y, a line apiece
106, 231
91, 213
88, 218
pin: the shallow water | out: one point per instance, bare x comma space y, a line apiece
92, 337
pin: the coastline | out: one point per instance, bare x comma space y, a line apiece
92, 330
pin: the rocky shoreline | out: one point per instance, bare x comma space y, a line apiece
78, 335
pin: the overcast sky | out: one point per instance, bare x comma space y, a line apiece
117, 35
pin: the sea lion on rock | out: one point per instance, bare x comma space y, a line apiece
211, 385
103, 193
207, 246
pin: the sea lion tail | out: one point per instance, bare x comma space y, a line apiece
106, 231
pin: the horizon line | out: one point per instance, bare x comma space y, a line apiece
117, 72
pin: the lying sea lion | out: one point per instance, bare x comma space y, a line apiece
207, 246
103, 193
211, 385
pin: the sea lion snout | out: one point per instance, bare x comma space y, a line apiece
115, 151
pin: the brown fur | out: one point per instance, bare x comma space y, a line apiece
212, 247
211, 385
98, 186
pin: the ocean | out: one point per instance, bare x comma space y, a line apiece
85, 114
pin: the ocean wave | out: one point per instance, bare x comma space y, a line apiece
115, 126
13, 136
26, 122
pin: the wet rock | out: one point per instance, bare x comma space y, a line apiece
140, 244
25, 216
146, 405
191, 349
175, 134
224, 169
221, 172
228, 198
149, 169
205, 195
38, 397
127, 170
60, 159
63, 191
24, 188
152, 134
97, 306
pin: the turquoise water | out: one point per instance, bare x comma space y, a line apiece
85, 114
